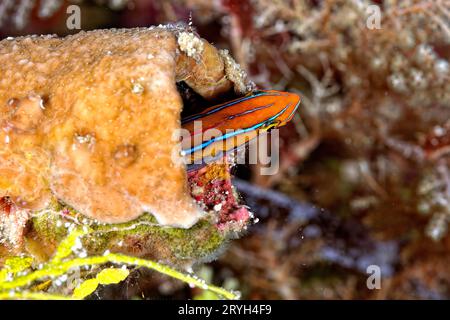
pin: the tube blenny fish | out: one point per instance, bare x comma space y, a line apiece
223, 128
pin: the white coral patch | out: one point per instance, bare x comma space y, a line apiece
190, 44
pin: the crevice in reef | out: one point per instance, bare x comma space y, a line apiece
194, 103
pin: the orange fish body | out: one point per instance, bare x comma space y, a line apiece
225, 127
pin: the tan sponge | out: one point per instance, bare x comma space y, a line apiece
90, 119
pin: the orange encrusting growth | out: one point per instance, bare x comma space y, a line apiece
88, 120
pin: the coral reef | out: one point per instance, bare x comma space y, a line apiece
67, 162
370, 145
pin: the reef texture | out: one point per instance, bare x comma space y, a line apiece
90, 119
370, 144
87, 138
37, 235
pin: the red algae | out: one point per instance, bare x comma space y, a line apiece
212, 189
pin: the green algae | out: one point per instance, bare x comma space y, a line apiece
20, 276
142, 237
